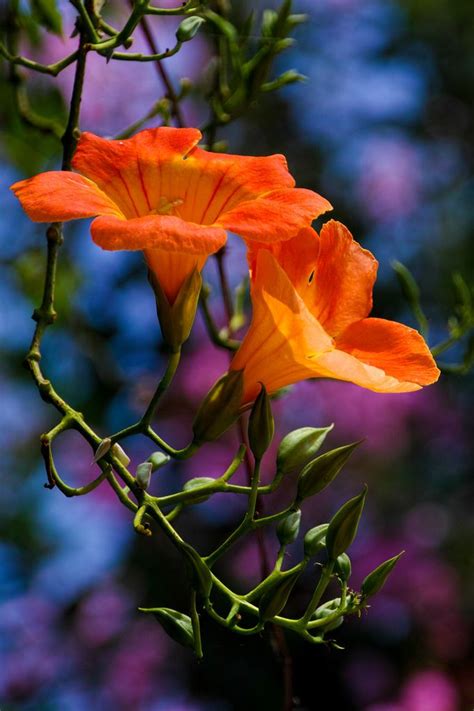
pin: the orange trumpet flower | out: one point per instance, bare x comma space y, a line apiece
311, 297
159, 193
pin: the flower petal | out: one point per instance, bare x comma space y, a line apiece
58, 196
398, 351
282, 333
278, 215
135, 172
343, 280
164, 232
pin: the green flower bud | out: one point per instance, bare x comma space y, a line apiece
188, 28
158, 460
220, 407
315, 539
377, 578
177, 625
197, 483
176, 320
343, 568
200, 573
121, 455
343, 526
275, 598
321, 471
143, 475
261, 425
288, 528
297, 447
102, 449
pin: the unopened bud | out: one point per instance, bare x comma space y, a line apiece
197, 483
378, 577
176, 624
297, 447
121, 455
158, 460
343, 526
220, 407
143, 475
188, 28
288, 528
102, 449
315, 539
343, 568
274, 600
261, 425
321, 471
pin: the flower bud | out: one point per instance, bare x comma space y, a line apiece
378, 577
188, 28
121, 455
321, 471
297, 447
275, 598
143, 475
176, 320
220, 407
197, 483
102, 449
343, 568
324, 612
261, 425
200, 573
288, 528
343, 526
315, 539
158, 460
177, 625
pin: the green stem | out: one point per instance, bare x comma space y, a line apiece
162, 387
196, 626
319, 592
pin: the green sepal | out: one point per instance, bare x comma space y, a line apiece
297, 447
176, 319
343, 526
188, 28
320, 472
158, 460
275, 598
288, 528
220, 408
378, 577
343, 567
261, 426
315, 539
176, 624
200, 573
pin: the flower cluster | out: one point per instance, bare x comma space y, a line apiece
160, 193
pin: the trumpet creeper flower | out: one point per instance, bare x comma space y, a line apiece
311, 298
160, 193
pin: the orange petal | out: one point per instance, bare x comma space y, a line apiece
282, 336
164, 232
58, 196
396, 351
278, 215
135, 172
343, 280
172, 268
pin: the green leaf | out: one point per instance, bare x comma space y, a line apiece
319, 473
261, 424
275, 598
48, 15
343, 526
176, 624
378, 577
297, 447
